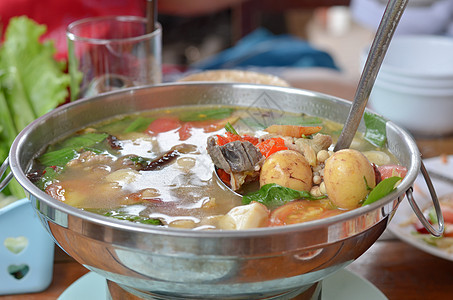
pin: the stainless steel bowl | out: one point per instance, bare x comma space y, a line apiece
184, 264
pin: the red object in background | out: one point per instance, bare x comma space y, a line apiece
58, 14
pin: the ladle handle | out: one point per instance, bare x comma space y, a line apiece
440, 219
384, 34
7, 179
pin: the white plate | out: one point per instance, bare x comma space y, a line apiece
404, 212
94, 286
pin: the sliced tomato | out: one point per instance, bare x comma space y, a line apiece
163, 125
392, 170
302, 211
185, 132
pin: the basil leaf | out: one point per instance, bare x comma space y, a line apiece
273, 195
139, 124
84, 140
58, 157
211, 114
134, 218
69, 149
375, 131
298, 120
381, 190
47, 178
230, 129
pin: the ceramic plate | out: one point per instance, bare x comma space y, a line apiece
93, 286
404, 213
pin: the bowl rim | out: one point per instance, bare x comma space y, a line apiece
420, 74
35, 192
414, 90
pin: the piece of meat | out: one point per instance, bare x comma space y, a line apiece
236, 156
320, 142
216, 155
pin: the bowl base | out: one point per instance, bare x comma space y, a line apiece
116, 292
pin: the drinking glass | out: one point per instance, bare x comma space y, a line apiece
111, 53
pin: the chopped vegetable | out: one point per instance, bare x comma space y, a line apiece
270, 146
140, 124
230, 137
293, 130
134, 218
387, 171
79, 142
375, 131
70, 148
381, 190
47, 178
210, 114
302, 211
229, 128
163, 125
273, 195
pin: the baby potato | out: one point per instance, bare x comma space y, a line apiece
345, 173
287, 168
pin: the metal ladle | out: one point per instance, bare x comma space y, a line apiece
381, 41
384, 34
379, 47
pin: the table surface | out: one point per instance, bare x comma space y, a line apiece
397, 269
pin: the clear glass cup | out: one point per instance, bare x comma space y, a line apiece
111, 53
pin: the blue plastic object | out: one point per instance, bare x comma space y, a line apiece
26, 250
261, 48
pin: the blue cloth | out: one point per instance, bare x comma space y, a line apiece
261, 48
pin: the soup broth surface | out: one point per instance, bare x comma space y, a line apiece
154, 168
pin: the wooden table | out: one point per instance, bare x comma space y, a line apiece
397, 269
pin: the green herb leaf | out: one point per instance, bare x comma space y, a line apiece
47, 178
139, 124
273, 195
58, 157
298, 120
381, 190
70, 148
134, 218
211, 114
375, 131
229, 128
85, 140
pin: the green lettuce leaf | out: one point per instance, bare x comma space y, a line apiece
36, 78
32, 83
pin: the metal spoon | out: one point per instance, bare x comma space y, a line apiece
381, 41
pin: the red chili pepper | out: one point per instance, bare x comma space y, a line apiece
231, 137
224, 176
271, 146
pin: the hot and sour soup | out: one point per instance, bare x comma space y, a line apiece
170, 167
